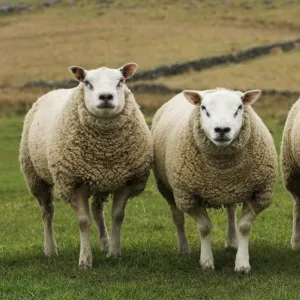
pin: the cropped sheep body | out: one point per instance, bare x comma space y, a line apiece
64, 146
290, 166
290, 151
194, 169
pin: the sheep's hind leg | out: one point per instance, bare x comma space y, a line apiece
231, 234
118, 213
178, 219
98, 214
45, 200
81, 207
295, 241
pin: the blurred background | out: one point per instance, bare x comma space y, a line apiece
40, 39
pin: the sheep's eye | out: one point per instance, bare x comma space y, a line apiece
88, 84
207, 113
239, 108
121, 82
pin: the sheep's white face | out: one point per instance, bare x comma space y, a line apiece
222, 112
104, 88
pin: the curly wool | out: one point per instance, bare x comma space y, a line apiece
290, 151
77, 148
195, 169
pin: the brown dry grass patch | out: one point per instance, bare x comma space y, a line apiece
42, 44
278, 71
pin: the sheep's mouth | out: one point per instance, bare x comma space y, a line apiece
222, 139
105, 105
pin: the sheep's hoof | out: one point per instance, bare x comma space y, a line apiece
207, 265
242, 267
295, 244
114, 252
231, 243
85, 261
243, 270
85, 265
50, 251
104, 244
184, 249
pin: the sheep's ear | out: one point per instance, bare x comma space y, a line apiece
250, 97
78, 73
129, 70
192, 96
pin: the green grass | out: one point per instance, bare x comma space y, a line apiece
150, 267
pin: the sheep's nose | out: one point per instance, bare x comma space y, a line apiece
222, 130
106, 97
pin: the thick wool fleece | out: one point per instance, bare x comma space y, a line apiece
290, 151
64, 146
189, 165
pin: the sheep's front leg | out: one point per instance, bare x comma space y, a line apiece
242, 264
199, 214
295, 241
99, 218
178, 219
118, 213
81, 207
204, 227
231, 234
261, 200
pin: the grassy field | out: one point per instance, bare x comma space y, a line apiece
150, 267
41, 44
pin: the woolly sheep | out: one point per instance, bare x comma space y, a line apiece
89, 140
211, 151
290, 165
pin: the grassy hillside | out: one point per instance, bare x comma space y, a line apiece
43, 43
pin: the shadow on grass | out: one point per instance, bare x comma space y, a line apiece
137, 265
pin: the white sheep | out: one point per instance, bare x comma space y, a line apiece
212, 151
290, 165
89, 140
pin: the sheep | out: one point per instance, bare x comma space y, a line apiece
214, 151
91, 140
290, 166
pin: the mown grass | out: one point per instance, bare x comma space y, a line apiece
150, 267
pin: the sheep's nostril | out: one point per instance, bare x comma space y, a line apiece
109, 97
106, 97
222, 130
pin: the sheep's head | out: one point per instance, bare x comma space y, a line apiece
104, 88
221, 112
